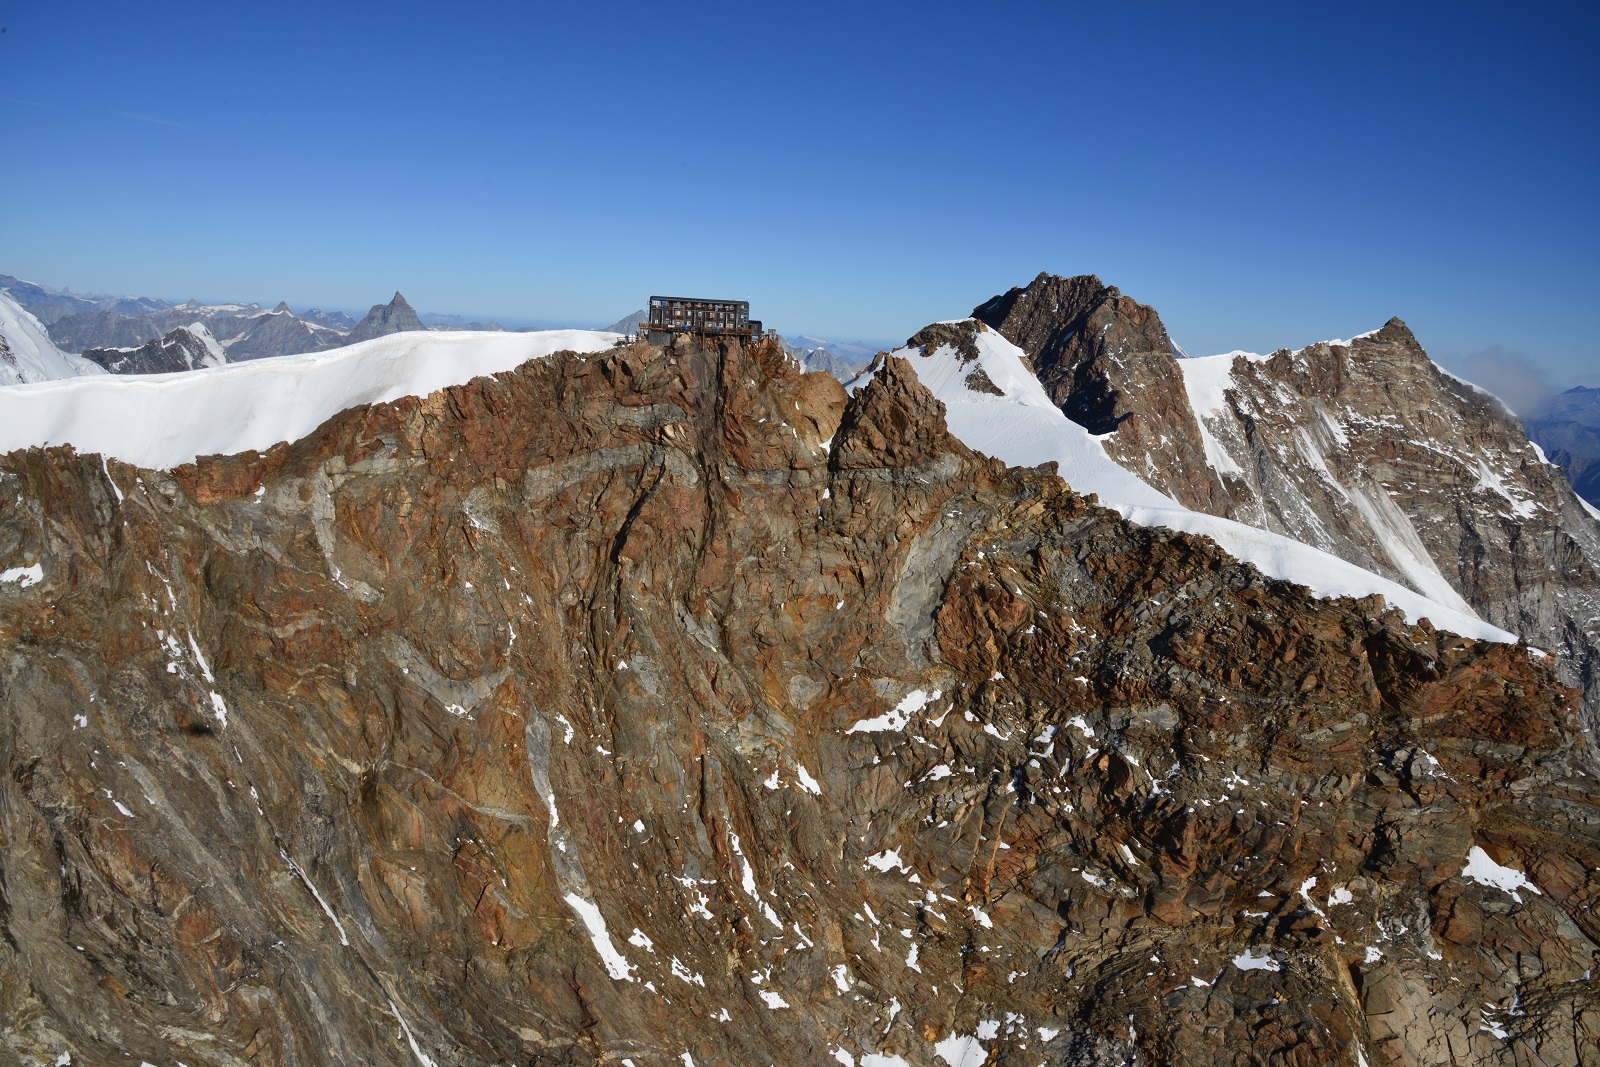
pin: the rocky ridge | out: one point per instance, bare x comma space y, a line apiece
245, 331
334, 320
281, 332
1368, 447
665, 705
49, 304
843, 360
81, 331
1364, 449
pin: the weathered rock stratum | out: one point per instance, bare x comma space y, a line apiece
665, 706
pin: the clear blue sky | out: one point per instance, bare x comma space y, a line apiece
1265, 176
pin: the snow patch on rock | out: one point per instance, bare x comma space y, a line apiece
1482, 868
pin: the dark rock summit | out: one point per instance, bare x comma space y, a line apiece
1107, 361
396, 316
666, 706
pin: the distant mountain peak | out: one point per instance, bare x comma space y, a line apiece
397, 316
629, 323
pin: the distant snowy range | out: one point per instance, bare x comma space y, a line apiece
146, 335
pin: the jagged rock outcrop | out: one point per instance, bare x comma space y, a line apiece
1107, 361
396, 316
185, 348
1567, 426
663, 705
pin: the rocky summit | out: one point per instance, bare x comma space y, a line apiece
666, 705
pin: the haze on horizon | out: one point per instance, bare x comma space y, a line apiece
1265, 178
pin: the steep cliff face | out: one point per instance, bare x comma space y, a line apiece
1106, 361
665, 706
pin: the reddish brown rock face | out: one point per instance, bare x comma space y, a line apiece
662, 702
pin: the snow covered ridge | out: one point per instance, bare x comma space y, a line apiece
164, 420
1021, 426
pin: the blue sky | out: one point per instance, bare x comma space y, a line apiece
1264, 175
